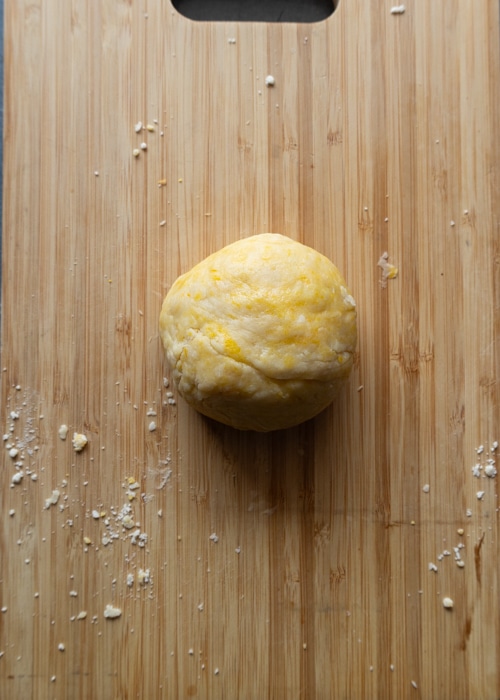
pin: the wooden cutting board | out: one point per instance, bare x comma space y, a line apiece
310, 563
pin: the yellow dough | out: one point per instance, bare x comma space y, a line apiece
261, 334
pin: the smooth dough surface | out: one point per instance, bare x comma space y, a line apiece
261, 334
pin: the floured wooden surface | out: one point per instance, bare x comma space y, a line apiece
295, 564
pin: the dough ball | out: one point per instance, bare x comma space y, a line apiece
261, 334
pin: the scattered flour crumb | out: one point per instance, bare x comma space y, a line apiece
398, 9
139, 538
214, 537
63, 431
52, 499
476, 470
487, 463
111, 612
447, 603
61, 647
132, 484
162, 475
143, 576
270, 81
490, 469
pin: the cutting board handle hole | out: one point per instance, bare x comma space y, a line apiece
256, 10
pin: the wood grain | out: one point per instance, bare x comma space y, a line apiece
380, 134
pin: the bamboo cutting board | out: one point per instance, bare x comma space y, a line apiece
310, 563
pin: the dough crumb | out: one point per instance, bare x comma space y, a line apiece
79, 441
389, 271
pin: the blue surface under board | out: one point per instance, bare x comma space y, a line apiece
1, 131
